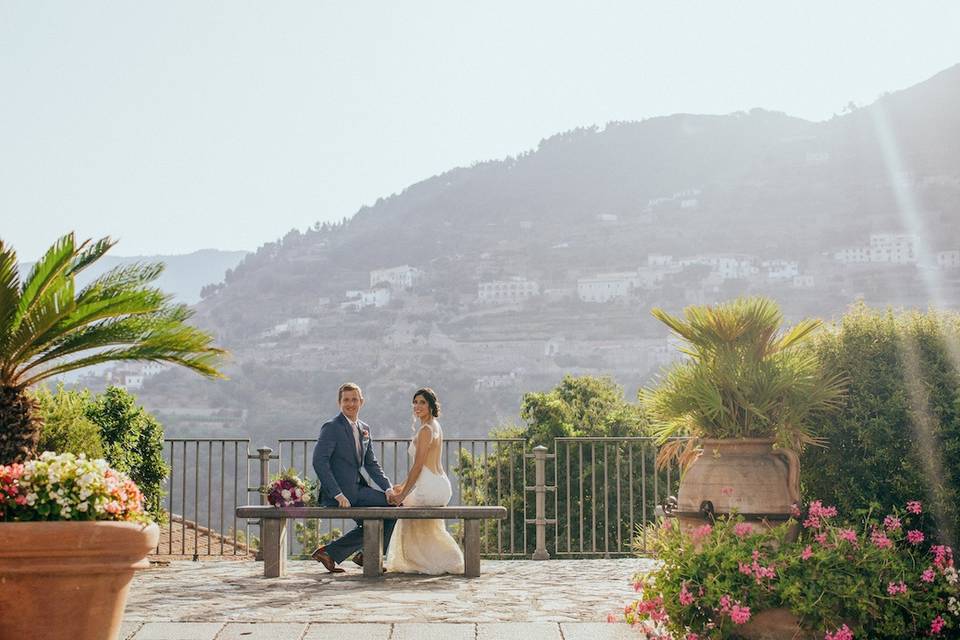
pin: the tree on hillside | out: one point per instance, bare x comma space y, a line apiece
48, 327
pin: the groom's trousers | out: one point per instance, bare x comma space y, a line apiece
351, 542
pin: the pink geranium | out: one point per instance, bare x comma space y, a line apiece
914, 507
891, 523
936, 625
740, 614
742, 529
843, 633
806, 553
880, 540
928, 575
914, 536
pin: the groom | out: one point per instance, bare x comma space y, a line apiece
349, 475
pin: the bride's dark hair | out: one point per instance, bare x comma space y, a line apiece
430, 396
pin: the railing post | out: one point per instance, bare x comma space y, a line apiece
540, 456
264, 455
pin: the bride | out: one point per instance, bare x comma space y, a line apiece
424, 546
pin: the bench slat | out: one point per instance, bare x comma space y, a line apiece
373, 513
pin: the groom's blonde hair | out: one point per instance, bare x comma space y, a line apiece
348, 386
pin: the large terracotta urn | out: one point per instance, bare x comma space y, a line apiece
751, 476
69, 580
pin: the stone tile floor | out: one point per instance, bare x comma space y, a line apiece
213, 600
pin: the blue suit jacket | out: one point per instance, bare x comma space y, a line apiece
337, 464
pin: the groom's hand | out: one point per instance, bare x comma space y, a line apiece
342, 500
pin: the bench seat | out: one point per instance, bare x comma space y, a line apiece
273, 530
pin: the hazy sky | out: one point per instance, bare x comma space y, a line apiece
182, 125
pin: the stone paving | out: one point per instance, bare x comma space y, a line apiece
215, 600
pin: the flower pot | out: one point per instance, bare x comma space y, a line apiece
749, 476
69, 580
773, 624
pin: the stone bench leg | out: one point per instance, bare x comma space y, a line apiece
471, 548
273, 543
372, 548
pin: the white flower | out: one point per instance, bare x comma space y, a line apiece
83, 506
953, 606
951, 574
286, 494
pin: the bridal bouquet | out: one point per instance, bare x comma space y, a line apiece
287, 490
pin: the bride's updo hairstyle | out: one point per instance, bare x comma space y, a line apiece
430, 396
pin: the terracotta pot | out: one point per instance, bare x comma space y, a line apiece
773, 624
69, 580
746, 475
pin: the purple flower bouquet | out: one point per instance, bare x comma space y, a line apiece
287, 491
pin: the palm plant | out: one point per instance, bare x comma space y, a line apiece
744, 378
48, 328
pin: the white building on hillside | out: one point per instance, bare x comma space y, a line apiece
376, 297
948, 259
726, 266
507, 291
402, 277
781, 269
898, 248
605, 287
852, 255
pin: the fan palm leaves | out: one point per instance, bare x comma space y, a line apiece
48, 327
744, 377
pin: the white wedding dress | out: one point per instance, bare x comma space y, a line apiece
425, 546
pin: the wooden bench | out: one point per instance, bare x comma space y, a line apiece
273, 531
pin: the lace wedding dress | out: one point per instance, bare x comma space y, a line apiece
425, 546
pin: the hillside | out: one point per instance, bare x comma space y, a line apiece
761, 186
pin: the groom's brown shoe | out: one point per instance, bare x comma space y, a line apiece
358, 559
321, 556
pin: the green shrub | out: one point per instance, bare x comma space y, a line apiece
66, 427
897, 434
132, 443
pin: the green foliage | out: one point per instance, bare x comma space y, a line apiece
868, 576
584, 406
66, 427
745, 377
897, 435
49, 326
132, 443
308, 536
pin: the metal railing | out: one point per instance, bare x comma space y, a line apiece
601, 488
208, 478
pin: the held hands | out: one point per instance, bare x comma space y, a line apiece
342, 501
395, 495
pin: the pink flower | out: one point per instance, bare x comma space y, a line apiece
806, 553
740, 614
701, 532
812, 522
817, 510
795, 510
928, 575
936, 625
692, 636
727, 491
686, 598
742, 529
611, 617
843, 633
942, 556
894, 588
914, 536
724, 603
891, 523
880, 540
914, 507
821, 538
848, 534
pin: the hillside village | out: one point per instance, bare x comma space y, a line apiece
489, 281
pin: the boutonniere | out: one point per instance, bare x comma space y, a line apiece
365, 433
